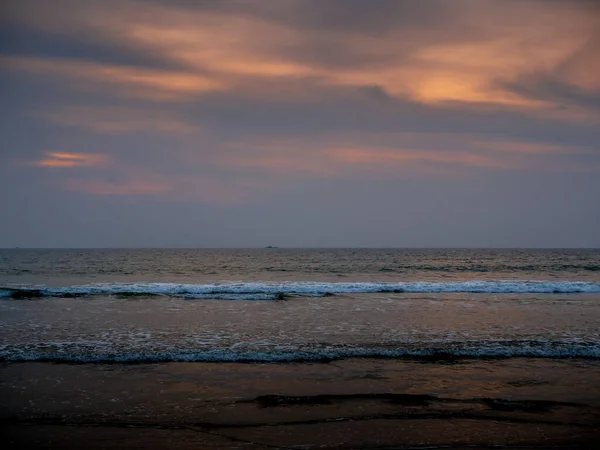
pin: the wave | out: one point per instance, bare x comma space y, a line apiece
73, 353
280, 291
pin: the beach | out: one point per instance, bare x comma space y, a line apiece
346, 404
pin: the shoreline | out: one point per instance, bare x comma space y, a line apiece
342, 404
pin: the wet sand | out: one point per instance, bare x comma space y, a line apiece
347, 404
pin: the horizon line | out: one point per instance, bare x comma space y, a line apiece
302, 248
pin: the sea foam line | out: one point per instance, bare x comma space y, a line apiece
269, 290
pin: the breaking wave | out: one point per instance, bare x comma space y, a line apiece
280, 291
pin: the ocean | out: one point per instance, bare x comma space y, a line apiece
286, 305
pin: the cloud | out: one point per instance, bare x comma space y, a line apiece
129, 81
567, 97
393, 155
292, 115
119, 120
430, 54
319, 89
25, 40
205, 189
68, 160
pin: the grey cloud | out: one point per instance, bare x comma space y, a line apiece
369, 110
325, 26
345, 16
549, 88
32, 42
555, 85
362, 15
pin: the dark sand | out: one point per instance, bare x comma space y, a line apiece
349, 404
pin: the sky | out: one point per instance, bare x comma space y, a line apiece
300, 123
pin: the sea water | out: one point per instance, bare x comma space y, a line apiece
291, 304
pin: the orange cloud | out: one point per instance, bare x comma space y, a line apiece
439, 70
57, 159
389, 154
262, 166
432, 65
386, 157
205, 189
335, 159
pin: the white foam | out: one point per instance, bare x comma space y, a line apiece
269, 290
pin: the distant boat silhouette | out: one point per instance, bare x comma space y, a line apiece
271, 246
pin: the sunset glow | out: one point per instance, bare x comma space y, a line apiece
71, 160
239, 104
